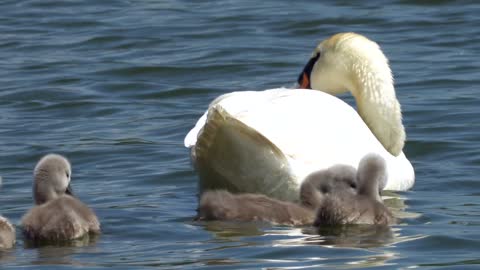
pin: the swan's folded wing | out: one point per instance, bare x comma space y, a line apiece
236, 103
230, 155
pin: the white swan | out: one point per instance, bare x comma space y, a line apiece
269, 141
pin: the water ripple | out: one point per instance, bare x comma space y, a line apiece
116, 85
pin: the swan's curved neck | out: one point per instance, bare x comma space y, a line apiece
377, 104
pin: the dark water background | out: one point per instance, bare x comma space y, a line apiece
115, 86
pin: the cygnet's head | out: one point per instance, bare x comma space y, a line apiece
364, 207
372, 175
51, 178
335, 62
337, 181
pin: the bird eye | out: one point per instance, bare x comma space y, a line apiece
353, 185
67, 174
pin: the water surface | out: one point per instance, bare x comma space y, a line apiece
115, 86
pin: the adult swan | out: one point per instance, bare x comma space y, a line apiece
269, 141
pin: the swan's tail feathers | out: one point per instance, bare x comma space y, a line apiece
191, 138
231, 155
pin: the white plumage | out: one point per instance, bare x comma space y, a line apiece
269, 141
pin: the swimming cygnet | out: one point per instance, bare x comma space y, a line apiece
338, 195
7, 234
223, 205
58, 215
364, 207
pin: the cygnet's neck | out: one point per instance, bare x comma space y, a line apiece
377, 103
43, 190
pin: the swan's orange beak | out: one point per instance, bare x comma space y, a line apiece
304, 78
304, 81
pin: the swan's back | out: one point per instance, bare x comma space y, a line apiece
314, 130
305, 124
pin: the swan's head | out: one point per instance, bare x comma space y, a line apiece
51, 178
349, 61
338, 63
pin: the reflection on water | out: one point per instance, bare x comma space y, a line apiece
229, 235
7, 255
353, 236
378, 239
86, 240
224, 230
60, 252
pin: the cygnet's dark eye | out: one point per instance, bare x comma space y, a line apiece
67, 174
353, 185
324, 189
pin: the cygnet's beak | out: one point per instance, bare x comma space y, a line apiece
69, 190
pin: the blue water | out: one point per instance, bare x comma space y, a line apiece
115, 86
